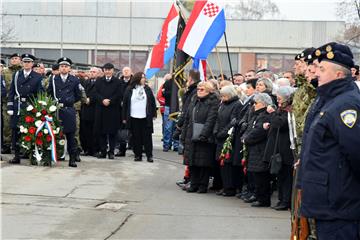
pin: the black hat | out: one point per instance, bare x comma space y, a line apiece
26, 57
108, 66
64, 61
55, 67
36, 65
297, 57
310, 58
3, 62
307, 52
336, 53
15, 55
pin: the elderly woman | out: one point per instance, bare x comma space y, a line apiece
279, 142
264, 85
227, 113
139, 110
255, 138
198, 137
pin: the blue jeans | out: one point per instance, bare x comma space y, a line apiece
169, 127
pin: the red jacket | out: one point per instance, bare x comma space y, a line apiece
161, 99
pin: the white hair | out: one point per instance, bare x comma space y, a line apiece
283, 82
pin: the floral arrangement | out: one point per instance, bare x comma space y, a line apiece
225, 154
41, 135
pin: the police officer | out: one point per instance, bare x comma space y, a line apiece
14, 65
330, 162
25, 84
65, 89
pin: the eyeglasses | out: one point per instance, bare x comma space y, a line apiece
201, 89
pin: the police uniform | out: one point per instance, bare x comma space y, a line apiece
330, 162
21, 90
3, 94
66, 92
8, 74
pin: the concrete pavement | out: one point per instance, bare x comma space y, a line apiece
123, 199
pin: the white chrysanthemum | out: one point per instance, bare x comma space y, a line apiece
38, 123
62, 142
57, 130
29, 108
25, 130
38, 114
52, 108
46, 131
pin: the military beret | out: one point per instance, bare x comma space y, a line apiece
15, 55
307, 51
26, 57
64, 61
3, 62
337, 53
297, 57
108, 66
55, 67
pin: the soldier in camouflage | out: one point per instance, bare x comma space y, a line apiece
14, 66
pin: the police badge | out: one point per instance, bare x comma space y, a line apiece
349, 117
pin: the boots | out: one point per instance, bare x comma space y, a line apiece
77, 157
72, 161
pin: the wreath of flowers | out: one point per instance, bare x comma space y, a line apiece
41, 134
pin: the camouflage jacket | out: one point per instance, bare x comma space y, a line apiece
8, 75
303, 98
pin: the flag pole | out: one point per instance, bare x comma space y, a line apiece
220, 66
228, 54
211, 72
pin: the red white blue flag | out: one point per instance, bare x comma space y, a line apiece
164, 47
204, 29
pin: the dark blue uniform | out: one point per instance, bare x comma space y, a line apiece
3, 94
330, 161
66, 94
21, 91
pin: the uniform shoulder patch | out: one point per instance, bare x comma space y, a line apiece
349, 117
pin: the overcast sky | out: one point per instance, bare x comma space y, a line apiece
322, 10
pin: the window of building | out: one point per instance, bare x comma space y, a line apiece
276, 63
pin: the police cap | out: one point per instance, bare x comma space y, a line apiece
64, 61
15, 55
27, 57
108, 66
336, 53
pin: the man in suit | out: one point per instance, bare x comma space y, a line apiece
66, 90
25, 84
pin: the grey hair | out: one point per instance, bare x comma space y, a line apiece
229, 91
344, 70
285, 92
267, 82
263, 98
283, 80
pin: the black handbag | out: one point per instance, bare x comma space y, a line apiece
275, 159
197, 128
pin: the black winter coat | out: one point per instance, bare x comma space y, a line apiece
255, 138
186, 102
150, 107
88, 110
279, 121
226, 118
201, 110
107, 119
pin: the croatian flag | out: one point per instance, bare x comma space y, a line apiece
200, 65
164, 48
204, 29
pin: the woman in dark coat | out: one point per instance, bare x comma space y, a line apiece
139, 110
108, 100
255, 138
227, 113
279, 123
199, 153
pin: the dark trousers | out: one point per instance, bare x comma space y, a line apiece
141, 137
87, 137
337, 230
250, 182
262, 186
15, 140
199, 177
284, 181
105, 139
122, 139
216, 173
231, 177
71, 143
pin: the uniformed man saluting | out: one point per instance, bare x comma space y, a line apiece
25, 84
65, 89
330, 161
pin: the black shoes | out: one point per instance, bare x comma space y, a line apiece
260, 204
72, 161
150, 159
250, 199
192, 189
15, 160
281, 207
120, 154
137, 159
110, 155
101, 155
202, 190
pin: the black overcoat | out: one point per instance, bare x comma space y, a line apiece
88, 110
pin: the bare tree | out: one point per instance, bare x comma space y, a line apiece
251, 9
349, 11
7, 30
